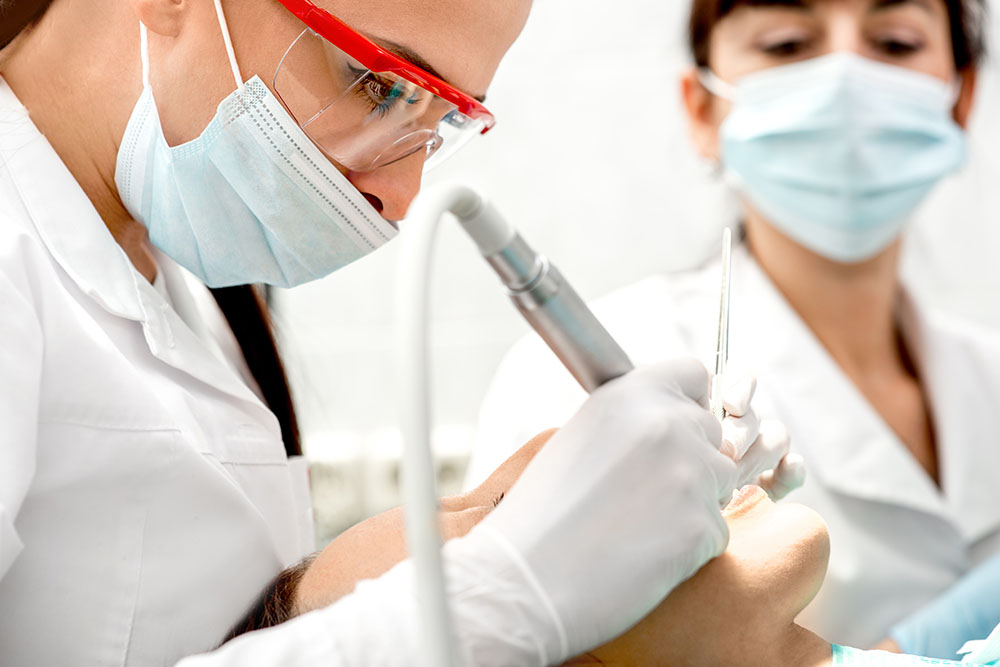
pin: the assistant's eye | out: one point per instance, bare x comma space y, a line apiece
898, 47
786, 48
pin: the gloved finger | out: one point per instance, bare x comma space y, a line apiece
736, 396
686, 374
789, 475
768, 449
738, 433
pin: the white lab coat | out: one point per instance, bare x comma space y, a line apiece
145, 495
897, 541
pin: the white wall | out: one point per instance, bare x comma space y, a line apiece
590, 159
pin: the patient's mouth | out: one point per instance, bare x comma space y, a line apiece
744, 498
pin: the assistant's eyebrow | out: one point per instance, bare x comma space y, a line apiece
789, 4
415, 58
882, 5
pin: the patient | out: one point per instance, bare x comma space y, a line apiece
739, 609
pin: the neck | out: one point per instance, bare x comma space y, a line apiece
828, 295
82, 104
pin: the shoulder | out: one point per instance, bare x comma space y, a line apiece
957, 335
649, 319
662, 315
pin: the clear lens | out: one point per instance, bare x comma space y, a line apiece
364, 119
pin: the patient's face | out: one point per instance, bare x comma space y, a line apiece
772, 568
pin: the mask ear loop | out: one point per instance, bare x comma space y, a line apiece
144, 53
715, 85
227, 38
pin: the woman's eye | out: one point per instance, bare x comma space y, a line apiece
785, 48
382, 94
897, 47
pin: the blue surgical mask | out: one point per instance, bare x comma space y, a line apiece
838, 151
251, 200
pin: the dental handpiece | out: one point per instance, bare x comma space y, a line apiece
549, 305
547, 301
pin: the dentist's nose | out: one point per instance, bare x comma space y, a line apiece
391, 188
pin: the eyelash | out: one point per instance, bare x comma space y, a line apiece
895, 47
785, 49
889, 46
498, 499
379, 94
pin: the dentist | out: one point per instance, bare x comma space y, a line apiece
149, 487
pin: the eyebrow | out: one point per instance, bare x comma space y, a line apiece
882, 5
416, 59
877, 5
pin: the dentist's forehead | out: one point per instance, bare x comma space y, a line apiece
461, 40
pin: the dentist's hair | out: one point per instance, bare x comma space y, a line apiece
966, 17
16, 15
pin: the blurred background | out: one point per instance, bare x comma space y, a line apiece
590, 159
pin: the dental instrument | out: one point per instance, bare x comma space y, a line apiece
722, 340
549, 304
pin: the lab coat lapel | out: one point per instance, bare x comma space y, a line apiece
847, 445
68, 223
959, 367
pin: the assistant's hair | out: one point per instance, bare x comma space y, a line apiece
967, 19
276, 604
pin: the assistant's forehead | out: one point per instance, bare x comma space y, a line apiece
464, 40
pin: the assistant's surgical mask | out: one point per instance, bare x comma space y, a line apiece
838, 151
251, 200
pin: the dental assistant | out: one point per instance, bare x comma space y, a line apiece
149, 488
832, 120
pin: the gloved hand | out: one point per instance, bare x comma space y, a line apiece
968, 610
621, 505
760, 448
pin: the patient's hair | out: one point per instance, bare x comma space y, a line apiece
966, 17
276, 604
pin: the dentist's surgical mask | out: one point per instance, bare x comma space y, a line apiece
838, 151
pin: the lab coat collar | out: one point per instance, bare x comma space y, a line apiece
81, 244
849, 447
959, 364
63, 215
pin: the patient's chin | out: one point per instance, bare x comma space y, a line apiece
783, 554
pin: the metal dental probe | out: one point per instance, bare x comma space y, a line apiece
722, 341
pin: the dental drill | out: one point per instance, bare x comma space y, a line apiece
552, 308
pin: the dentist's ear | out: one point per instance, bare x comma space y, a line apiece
164, 17
704, 114
966, 95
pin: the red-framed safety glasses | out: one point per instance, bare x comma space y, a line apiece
365, 106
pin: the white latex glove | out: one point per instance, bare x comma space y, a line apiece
759, 447
621, 505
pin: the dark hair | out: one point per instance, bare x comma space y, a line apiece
276, 604
16, 15
967, 18
249, 318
